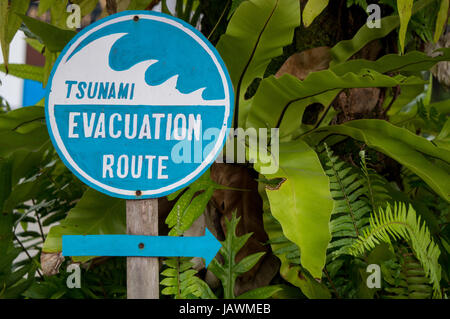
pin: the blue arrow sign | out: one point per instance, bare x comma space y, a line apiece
205, 246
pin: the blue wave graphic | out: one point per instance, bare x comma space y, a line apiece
176, 52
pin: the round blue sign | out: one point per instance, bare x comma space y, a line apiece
139, 105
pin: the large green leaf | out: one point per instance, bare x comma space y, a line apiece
54, 38
44, 5
20, 117
23, 192
411, 62
302, 203
25, 71
94, 214
22, 129
234, 5
289, 255
280, 102
404, 12
421, 156
441, 20
257, 32
10, 23
59, 14
5, 180
345, 49
312, 9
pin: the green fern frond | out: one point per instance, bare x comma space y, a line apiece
377, 193
404, 277
191, 204
351, 209
402, 223
181, 280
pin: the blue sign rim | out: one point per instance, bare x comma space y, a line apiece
133, 13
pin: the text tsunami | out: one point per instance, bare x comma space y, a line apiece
99, 90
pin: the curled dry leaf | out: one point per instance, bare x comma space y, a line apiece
302, 63
50, 263
358, 101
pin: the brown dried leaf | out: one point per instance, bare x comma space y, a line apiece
50, 263
302, 63
358, 100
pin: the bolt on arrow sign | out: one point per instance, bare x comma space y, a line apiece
205, 246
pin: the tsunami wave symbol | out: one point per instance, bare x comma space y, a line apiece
96, 69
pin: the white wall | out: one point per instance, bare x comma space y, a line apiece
11, 87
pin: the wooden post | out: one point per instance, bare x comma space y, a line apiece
142, 272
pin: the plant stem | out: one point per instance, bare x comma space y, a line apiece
39, 222
394, 98
331, 283
220, 19
28, 254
